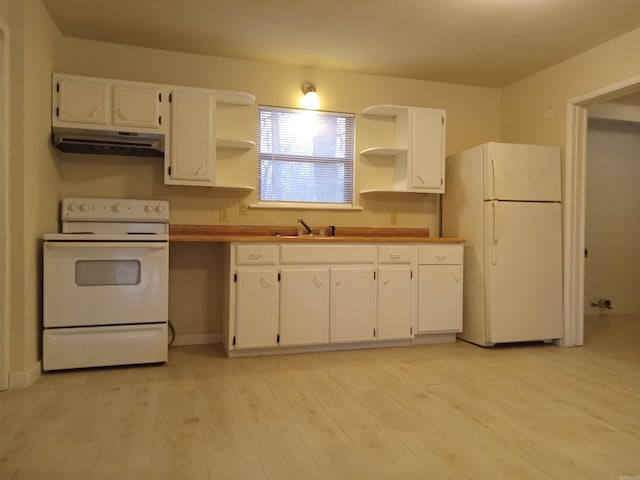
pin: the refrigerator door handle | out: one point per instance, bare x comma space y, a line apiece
494, 240
493, 176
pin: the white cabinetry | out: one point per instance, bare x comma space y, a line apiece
440, 288
322, 296
184, 117
255, 296
192, 143
352, 317
418, 150
396, 292
304, 306
136, 106
87, 102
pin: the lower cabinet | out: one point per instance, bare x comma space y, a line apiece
352, 316
304, 306
395, 306
256, 308
288, 295
440, 288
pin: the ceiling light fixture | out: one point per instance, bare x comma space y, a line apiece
310, 99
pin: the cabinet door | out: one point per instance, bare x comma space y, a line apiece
136, 106
427, 151
352, 316
256, 308
440, 298
192, 141
394, 302
83, 101
304, 306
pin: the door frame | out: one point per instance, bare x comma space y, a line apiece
4, 205
575, 203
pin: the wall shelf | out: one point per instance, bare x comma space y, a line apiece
385, 110
389, 191
237, 144
237, 188
383, 151
230, 97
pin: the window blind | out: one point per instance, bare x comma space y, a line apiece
305, 156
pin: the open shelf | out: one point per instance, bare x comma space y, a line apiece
239, 144
238, 188
389, 190
385, 110
383, 151
230, 97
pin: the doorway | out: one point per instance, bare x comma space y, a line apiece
575, 203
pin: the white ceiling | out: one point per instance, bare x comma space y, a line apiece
478, 42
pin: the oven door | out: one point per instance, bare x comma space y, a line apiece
105, 283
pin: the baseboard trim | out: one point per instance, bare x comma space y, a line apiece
197, 339
25, 379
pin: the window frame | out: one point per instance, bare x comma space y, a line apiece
309, 205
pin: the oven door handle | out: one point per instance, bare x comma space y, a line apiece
56, 245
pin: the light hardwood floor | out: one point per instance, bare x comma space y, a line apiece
454, 411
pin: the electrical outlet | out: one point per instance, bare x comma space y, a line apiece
393, 220
243, 208
224, 215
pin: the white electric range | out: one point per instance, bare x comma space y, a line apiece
105, 284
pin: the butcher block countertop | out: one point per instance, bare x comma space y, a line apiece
256, 233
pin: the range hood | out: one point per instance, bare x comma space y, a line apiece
105, 142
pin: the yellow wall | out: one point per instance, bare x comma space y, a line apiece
530, 110
524, 103
473, 117
195, 281
34, 180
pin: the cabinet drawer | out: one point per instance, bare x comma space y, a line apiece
440, 254
394, 254
305, 254
256, 254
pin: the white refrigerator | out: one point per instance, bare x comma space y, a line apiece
505, 201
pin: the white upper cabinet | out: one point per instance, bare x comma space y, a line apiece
136, 106
418, 151
81, 100
192, 143
96, 103
184, 118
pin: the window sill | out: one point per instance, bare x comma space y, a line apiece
304, 206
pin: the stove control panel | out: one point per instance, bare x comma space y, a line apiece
114, 210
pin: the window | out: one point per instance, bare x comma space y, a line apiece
305, 156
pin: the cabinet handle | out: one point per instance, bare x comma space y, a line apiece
264, 282
121, 114
455, 277
255, 256
420, 179
95, 112
316, 281
441, 257
387, 279
394, 256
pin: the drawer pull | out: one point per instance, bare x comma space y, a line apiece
394, 256
255, 256
264, 282
441, 257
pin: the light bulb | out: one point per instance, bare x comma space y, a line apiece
310, 101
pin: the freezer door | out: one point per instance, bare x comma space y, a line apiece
523, 267
521, 172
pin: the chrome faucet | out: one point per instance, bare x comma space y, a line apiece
306, 227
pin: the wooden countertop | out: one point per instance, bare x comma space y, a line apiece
257, 233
